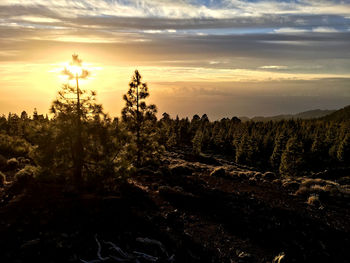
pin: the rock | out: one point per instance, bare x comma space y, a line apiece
269, 176
181, 170
218, 172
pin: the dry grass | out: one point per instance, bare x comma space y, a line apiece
314, 200
278, 258
318, 186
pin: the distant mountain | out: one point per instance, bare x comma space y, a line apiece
311, 114
339, 115
244, 119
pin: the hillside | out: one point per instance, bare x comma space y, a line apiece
311, 114
189, 210
339, 115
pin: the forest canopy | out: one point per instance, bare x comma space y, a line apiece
82, 144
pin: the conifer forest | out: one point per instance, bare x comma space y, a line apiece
78, 185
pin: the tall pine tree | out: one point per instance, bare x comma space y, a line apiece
140, 119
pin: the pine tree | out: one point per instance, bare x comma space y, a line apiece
275, 159
197, 142
140, 119
343, 153
64, 140
292, 159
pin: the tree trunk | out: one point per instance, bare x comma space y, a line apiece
78, 165
138, 161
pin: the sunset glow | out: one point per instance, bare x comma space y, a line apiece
252, 55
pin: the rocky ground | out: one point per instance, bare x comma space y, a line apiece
191, 209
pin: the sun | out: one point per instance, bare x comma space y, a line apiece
75, 70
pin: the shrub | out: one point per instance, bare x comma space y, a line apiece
14, 146
344, 180
318, 186
290, 185
181, 170
314, 200
2, 179
12, 164
218, 172
345, 191
3, 162
277, 182
258, 175
243, 175
252, 181
25, 176
269, 176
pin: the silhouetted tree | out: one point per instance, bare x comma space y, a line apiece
292, 159
280, 144
24, 115
343, 153
72, 109
140, 119
197, 142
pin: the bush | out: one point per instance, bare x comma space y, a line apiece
12, 164
344, 180
252, 181
181, 170
14, 146
314, 200
317, 186
269, 176
3, 162
218, 172
257, 176
2, 179
25, 176
243, 175
290, 185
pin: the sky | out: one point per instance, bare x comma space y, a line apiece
224, 58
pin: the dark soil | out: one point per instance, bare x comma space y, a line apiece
196, 218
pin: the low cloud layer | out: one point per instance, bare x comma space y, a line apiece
219, 42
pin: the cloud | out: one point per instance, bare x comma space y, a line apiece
266, 98
290, 30
325, 30
214, 42
37, 19
273, 67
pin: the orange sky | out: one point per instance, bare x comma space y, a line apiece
223, 60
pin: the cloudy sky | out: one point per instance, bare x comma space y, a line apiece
222, 57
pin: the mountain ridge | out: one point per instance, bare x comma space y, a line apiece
305, 115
